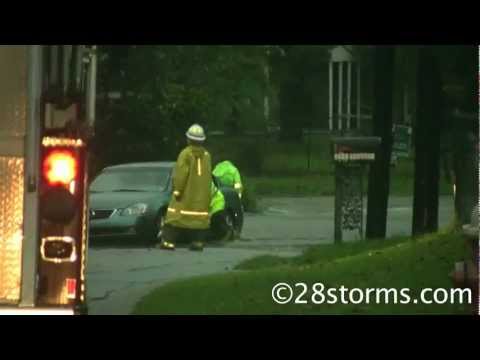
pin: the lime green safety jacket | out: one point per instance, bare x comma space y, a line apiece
229, 175
218, 201
192, 179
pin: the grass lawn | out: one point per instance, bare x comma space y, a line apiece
396, 263
284, 167
322, 182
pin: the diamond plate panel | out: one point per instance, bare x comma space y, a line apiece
11, 224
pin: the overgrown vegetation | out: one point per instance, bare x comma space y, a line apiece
236, 89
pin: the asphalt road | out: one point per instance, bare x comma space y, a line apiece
119, 277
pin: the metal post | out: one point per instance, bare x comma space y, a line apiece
266, 102
78, 67
67, 59
330, 96
309, 146
340, 94
92, 87
405, 104
361, 202
359, 96
338, 204
32, 156
349, 92
54, 76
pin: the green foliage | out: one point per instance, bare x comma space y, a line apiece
251, 158
293, 69
167, 88
248, 154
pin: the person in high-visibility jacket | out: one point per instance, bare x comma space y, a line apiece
218, 224
188, 213
228, 175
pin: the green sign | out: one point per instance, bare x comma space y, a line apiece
402, 140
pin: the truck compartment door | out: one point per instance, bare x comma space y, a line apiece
13, 115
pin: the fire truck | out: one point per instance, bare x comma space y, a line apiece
47, 111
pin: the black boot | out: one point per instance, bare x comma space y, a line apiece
165, 245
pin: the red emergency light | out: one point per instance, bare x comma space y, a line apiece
60, 167
71, 288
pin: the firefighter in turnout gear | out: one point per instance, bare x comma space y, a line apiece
188, 215
228, 175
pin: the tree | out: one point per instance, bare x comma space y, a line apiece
427, 131
293, 67
459, 64
379, 177
166, 88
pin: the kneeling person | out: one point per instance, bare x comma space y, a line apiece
228, 175
218, 225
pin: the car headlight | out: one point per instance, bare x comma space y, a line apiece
134, 210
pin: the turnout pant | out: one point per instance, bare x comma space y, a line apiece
177, 235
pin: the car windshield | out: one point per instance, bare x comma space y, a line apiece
132, 180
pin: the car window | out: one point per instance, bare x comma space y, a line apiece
133, 179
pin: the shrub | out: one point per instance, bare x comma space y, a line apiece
250, 157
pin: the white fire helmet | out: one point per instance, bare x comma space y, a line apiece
196, 133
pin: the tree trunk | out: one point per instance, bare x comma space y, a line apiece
290, 97
465, 159
379, 177
465, 134
427, 144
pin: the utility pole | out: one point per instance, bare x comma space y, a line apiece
379, 177
427, 144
